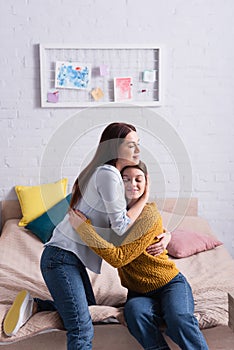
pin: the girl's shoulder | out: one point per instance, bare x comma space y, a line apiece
151, 208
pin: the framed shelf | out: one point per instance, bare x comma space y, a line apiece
118, 61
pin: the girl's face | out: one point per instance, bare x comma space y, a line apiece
129, 152
134, 183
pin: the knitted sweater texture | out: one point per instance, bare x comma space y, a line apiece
138, 270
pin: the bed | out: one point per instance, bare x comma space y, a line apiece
210, 273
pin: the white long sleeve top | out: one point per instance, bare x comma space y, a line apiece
103, 202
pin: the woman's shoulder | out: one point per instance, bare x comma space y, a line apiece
108, 167
108, 170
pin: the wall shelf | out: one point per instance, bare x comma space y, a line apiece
120, 62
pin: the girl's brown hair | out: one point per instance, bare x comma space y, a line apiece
141, 166
106, 153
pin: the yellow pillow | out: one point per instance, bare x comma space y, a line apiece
36, 200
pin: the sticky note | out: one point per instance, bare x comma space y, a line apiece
97, 94
53, 96
104, 70
149, 76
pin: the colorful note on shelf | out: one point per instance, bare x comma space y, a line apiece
104, 70
97, 94
53, 96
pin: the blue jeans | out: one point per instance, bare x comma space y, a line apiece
70, 287
172, 305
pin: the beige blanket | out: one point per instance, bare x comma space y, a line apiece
211, 277
20, 253
210, 274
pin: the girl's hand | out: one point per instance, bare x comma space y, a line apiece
120, 316
157, 248
76, 218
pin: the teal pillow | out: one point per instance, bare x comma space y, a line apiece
44, 225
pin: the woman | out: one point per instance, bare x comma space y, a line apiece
99, 193
157, 291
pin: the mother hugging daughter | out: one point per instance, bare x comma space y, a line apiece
158, 294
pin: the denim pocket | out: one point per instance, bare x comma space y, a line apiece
52, 257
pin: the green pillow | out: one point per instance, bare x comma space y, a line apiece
44, 225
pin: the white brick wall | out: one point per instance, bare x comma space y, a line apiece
198, 86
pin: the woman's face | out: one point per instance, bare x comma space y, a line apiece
129, 152
134, 183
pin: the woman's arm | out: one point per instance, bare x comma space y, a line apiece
137, 208
132, 247
156, 249
110, 187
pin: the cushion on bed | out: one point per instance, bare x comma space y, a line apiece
44, 225
185, 243
35, 200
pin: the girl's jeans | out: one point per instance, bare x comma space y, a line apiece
70, 288
172, 304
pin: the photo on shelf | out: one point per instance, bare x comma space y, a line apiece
123, 89
72, 75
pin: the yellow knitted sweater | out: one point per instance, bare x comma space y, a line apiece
138, 270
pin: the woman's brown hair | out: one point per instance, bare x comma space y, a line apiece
106, 153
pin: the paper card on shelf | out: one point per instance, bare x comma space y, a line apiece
72, 75
123, 89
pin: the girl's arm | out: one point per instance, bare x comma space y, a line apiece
134, 244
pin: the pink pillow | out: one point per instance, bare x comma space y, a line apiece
185, 243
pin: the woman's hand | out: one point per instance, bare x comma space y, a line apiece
157, 248
76, 218
147, 188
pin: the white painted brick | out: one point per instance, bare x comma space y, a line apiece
17, 161
8, 113
222, 177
